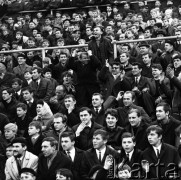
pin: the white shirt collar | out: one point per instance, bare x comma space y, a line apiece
89, 125
72, 153
38, 81
130, 154
98, 108
29, 81
159, 148
19, 92
102, 152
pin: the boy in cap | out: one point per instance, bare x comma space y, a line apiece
27, 174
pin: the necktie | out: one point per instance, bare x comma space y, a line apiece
97, 111
37, 84
136, 81
99, 156
29, 104
33, 140
68, 154
157, 153
127, 154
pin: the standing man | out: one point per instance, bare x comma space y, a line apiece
21, 158
22, 66
41, 86
101, 46
51, 160
84, 130
163, 159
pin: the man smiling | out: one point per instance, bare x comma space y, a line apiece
21, 158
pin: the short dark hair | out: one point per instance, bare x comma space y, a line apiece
137, 111
101, 132
128, 135
52, 140
166, 107
22, 105
9, 90
39, 70
36, 124
85, 109
132, 94
98, 94
69, 134
70, 96
137, 64
155, 128
18, 80
112, 112
45, 70
28, 88
60, 115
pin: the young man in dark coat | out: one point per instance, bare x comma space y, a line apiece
163, 159
84, 130
75, 154
97, 154
51, 160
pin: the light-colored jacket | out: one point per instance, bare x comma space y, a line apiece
11, 169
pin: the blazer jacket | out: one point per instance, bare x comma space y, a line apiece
11, 169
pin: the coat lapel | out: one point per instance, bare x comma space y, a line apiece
14, 168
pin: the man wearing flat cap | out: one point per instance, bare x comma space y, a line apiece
21, 158
167, 56
27, 174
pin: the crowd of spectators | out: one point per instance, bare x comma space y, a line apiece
79, 112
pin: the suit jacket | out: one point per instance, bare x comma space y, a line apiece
91, 159
169, 130
44, 89
60, 161
152, 87
36, 147
20, 70
84, 141
105, 47
143, 83
133, 162
31, 111
110, 85
123, 115
76, 164
11, 169
140, 135
167, 156
6, 82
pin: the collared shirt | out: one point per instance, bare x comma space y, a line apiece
159, 149
31, 101
97, 109
138, 79
29, 81
50, 160
130, 154
116, 76
38, 81
72, 153
102, 153
19, 92
89, 125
